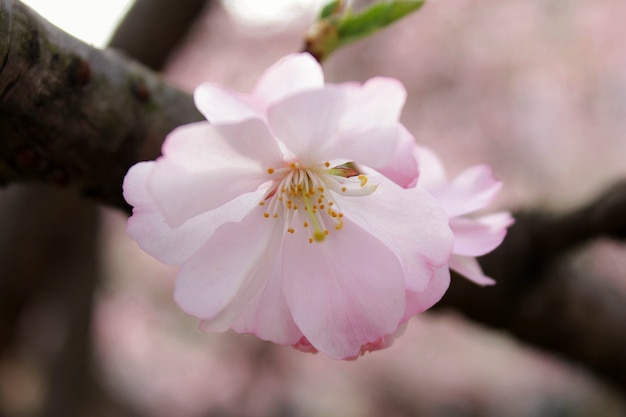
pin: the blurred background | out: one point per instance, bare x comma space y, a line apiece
534, 88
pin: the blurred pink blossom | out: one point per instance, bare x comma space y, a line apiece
472, 190
281, 220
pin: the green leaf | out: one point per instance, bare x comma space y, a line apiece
374, 18
330, 9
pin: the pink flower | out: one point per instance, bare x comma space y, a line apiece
472, 190
281, 220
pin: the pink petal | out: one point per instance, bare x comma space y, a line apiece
266, 314
230, 268
408, 221
476, 237
470, 269
174, 245
344, 292
204, 167
472, 190
308, 122
378, 101
374, 147
222, 105
417, 302
432, 172
292, 74
402, 167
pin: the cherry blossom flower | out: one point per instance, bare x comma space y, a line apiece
470, 191
288, 214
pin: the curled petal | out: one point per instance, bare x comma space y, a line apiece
470, 269
403, 168
410, 222
344, 292
204, 167
292, 74
476, 237
222, 105
417, 302
174, 245
472, 190
229, 269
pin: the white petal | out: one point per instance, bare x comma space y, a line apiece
344, 292
204, 167
292, 74
377, 102
432, 173
174, 245
230, 268
308, 123
221, 105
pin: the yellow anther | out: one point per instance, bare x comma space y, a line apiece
338, 226
343, 189
310, 240
270, 170
291, 230
363, 180
261, 203
306, 224
266, 215
327, 164
275, 215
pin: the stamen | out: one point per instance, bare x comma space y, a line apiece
318, 233
312, 189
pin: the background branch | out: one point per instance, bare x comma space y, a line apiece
153, 28
543, 300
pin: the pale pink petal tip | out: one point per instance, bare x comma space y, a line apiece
470, 269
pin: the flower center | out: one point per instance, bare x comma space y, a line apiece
307, 196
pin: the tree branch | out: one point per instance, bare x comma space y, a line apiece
153, 28
541, 300
74, 115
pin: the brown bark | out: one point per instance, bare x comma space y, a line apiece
152, 28
74, 115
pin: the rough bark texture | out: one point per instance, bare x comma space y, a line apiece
57, 95
74, 115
